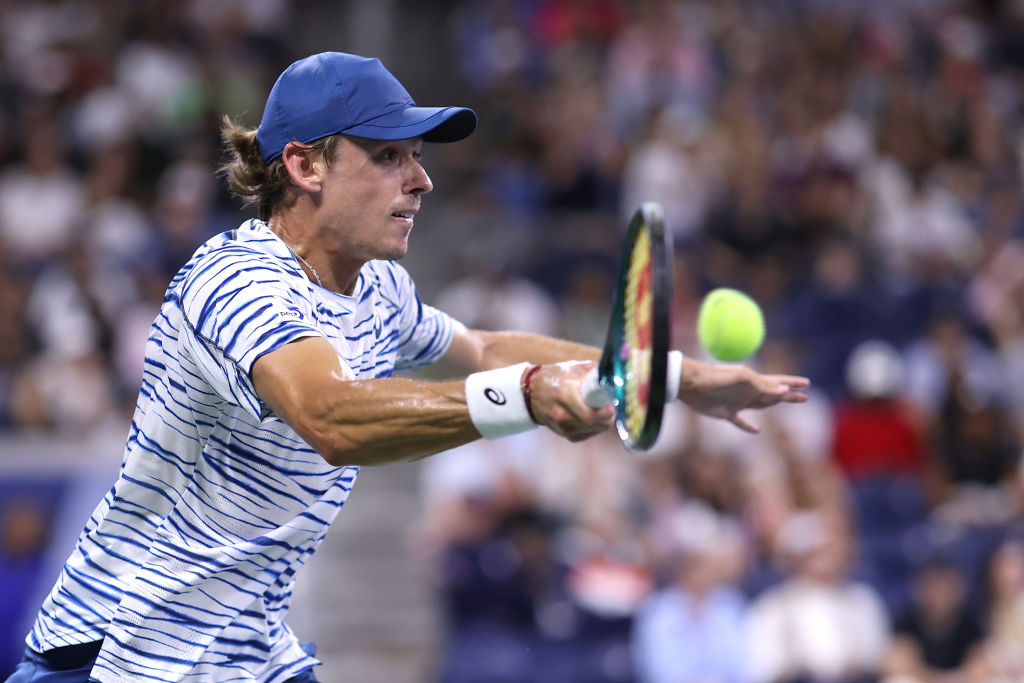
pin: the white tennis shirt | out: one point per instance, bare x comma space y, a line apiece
186, 566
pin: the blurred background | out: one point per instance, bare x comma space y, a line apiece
855, 165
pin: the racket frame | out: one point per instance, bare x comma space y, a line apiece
612, 366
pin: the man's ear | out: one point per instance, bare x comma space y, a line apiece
305, 166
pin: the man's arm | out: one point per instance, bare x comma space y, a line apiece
371, 422
712, 389
476, 350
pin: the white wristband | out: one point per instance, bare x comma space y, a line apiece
495, 401
674, 372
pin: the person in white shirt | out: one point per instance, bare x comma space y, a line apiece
818, 624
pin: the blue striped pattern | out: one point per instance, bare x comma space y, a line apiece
186, 566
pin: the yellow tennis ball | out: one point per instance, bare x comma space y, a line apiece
730, 324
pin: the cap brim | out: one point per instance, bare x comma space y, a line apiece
433, 124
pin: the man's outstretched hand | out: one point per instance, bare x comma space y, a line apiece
724, 390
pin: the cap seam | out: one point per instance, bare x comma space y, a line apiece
389, 112
408, 125
344, 100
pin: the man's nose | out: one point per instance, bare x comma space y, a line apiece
419, 181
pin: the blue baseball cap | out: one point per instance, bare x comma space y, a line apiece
335, 92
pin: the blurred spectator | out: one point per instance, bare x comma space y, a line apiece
921, 233
880, 447
837, 308
694, 628
818, 624
579, 158
876, 434
117, 232
660, 57
672, 165
64, 395
1004, 614
157, 76
574, 605
23, 529
492, 43
977, 456
939, 635
41, 199
492, 297
607, 577
560, 22
949, 351
17, 343
743, 226
186, 213
491, 580
499, 473
996, 298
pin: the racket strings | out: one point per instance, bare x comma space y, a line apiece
638, 319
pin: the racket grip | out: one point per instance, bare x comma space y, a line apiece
593, 393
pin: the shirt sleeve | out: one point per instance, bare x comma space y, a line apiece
238, 305
424, 332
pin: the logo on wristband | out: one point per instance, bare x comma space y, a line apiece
495, 396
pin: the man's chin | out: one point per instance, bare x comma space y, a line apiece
395, 254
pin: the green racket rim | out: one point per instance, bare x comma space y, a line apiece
612, 370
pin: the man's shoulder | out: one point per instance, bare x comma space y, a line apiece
251, 238
245, 246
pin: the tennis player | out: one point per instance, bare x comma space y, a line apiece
268, 383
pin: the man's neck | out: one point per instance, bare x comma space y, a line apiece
317, 262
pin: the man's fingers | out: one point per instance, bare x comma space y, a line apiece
599, 416
738, 420
582, 412
559, 403
792, 381
589, 421
786, 388
576, 431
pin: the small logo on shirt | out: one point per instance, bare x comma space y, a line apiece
378, 324
495, 396
291, 313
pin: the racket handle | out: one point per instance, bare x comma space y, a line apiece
593, 393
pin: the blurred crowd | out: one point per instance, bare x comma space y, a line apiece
854, 165
109, 113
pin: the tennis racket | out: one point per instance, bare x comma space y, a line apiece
632, 371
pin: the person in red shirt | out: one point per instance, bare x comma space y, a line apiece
876, 434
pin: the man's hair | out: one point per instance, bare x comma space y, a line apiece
254, 181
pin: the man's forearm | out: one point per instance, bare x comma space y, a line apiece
507, 348
374, 422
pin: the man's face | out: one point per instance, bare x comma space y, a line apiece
370, 195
